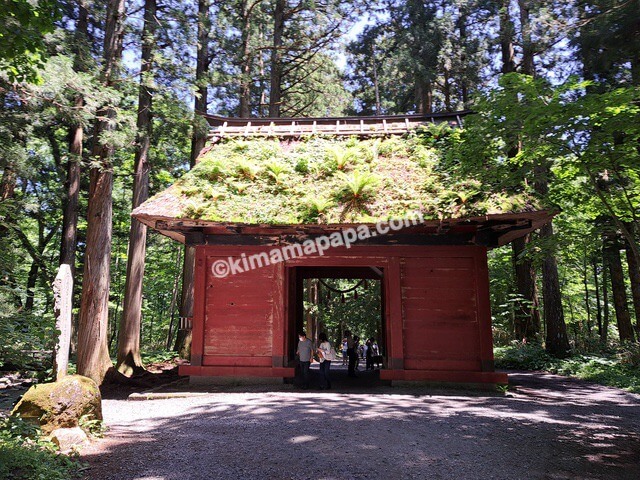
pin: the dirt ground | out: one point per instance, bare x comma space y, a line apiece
546, 427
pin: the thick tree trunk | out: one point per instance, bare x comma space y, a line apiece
527, 66
506, 38
557, 341
69, 238
634, 278
72, 184
247, 60
93, 353
275, 91
618, 290
183, 339
200, 127
527, 315
129, 359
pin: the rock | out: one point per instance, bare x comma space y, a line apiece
67, 438
61, 404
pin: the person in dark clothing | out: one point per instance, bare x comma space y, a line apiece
369, 354
351, 353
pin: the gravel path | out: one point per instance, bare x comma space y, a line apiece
549, 427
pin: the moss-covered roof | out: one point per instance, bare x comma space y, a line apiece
317, 179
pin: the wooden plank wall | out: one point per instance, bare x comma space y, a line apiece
440, 313
239, 317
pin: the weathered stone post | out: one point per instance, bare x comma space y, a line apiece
62, 296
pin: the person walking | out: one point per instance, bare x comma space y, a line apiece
351, 353
325, 354
344, 352
304, 352
369, 354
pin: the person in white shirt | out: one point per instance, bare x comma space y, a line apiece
325, 354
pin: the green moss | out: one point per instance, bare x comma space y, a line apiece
261, 180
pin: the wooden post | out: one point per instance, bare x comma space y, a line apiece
62, 297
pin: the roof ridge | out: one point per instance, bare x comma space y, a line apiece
353, 126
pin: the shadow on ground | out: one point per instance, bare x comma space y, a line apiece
548, 427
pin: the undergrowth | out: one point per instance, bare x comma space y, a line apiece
617, 367
26, 455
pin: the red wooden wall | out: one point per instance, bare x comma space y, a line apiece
437, 318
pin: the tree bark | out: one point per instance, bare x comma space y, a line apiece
129, 359
528, 54
598, 304
200, 127
247, 59
634, 278
506, 38
605, 298
275, 91
527, 314
618, 290
557, 341
93, 353
183, 339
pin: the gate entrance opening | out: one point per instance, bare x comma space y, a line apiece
333, 300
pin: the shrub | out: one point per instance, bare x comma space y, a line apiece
24, 454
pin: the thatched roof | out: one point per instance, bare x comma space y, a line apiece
323, 180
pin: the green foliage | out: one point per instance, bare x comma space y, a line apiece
618, 368
25, 455
92, 426
356, 190
27, 340
361, 315
23, 25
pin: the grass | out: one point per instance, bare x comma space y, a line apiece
265, 181
618, 367
26, 455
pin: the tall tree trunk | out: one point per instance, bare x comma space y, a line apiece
461, 25
634, 278
557, 341
275, 91
598, 304
605, 298
200, 127
506, 38
247, 60
129, 359
183, 339
527, 314
200, 130
69, 238
528, 53
587, 296
618, 290
93, 352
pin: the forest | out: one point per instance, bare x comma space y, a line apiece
99, 111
